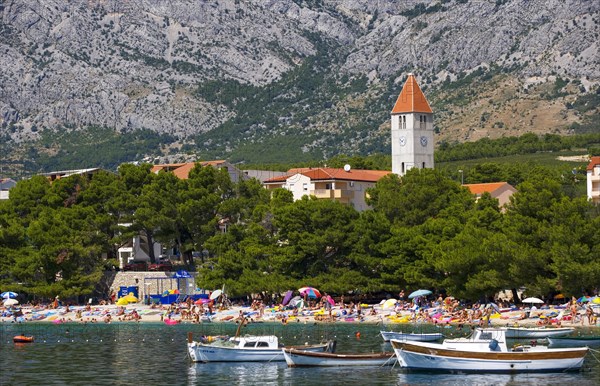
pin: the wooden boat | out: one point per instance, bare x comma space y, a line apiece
537, 333
264, 348
486, 352
302, 358
23, 339
579, 341
389, 335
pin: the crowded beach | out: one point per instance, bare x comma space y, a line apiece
428, 309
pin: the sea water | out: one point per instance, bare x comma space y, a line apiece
155, 354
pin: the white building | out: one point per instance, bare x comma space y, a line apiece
412, 130
593, 180
344, 185
6, 184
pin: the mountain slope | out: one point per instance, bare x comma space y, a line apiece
285, 80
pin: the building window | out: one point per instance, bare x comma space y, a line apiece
423, 165
402, 167
327, 186
305, 187
403, 119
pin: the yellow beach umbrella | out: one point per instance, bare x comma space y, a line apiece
122, 301
131, 298
389, 304
596, 300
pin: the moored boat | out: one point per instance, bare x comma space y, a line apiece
389, 335
263, 348
537, 332
301, 358
579, 341
486, 352
23, 339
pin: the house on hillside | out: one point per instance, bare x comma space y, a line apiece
182, 170
344, 185
499, 190
593, 180
6, 184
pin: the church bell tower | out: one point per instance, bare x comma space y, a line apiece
412, 130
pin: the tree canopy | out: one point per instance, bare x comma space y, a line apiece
424, 230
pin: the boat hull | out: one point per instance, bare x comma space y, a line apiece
199, 352
389, 335
430, 358
298, 358
536, 333
574, 342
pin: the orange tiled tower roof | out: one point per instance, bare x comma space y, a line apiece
411, 99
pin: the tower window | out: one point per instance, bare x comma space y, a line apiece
403, 119
402, 167
423, 165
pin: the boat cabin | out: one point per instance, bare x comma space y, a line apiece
482, 339
258, 342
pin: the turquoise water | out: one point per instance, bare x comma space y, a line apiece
155, 354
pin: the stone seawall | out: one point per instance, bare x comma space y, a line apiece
150, 283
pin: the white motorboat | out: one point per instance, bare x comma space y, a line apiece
301, 358
578, 341
403, 336
537, 332
264, 348
486, 351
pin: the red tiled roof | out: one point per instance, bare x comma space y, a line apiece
182, 170
333, 174
593, 162
489, 187
411, 99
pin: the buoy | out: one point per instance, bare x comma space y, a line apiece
358, 335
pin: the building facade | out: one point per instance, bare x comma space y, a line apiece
498, 190
343, 185
593, 180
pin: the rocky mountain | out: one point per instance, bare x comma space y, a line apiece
284, 80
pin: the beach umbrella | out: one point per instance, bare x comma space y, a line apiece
421, 292
494, 306
131, 298
559, 296
596, 300
533, 300
11, 302
8, 295
287, 297
583, 299
330, 300
310, 292
215, 294
389, 304
296, 301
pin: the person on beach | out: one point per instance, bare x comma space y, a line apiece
573, 310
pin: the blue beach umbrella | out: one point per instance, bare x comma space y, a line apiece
421, 292
8, 295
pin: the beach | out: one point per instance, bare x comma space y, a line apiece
137, 312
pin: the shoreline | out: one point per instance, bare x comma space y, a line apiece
141, 313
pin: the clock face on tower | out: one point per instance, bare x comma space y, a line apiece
402, 141
423, 141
